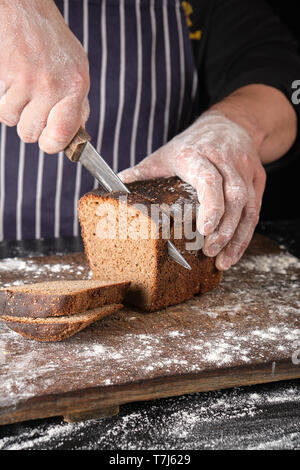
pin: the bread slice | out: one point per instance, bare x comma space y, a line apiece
57, 328
59, 298
137, 250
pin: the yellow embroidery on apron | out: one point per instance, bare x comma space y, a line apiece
188, 10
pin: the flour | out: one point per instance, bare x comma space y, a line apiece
30, 271
16, 264
218, 330
157, 353
245, 418
279, 263
148, 354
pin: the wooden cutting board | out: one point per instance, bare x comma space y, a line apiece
247, 331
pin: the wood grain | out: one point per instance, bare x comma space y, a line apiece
244, 332
104, 402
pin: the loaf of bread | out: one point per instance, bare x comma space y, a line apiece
60, 298
57, 328
137, 250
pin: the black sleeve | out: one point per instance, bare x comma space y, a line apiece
246, 43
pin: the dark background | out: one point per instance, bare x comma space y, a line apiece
281, 198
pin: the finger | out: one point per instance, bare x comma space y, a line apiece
12, 104
242, 236
33, 119
236, 197
63, 123
259, 183
195, 170
150, 167
208, 182
198, 172
136, 173
131, 174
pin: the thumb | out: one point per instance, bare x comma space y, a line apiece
153, 166
132, 174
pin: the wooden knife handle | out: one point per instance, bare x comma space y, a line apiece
75, 147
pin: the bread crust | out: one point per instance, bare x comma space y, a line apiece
27, 301
57, 328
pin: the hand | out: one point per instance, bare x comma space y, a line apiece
44, 74
218, 158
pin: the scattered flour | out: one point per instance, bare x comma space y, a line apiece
168, 351
279, 263
30, 271
261, 417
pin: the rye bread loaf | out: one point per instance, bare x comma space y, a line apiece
114, 252
59, 298
57, 328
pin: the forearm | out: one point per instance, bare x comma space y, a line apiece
26, 3
268, 117
16, 7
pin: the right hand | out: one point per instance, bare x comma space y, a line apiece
44, 74
219, 159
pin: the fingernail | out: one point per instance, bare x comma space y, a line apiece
204, 229
52, 145
208, 228
224, 263
125, 178
212, 250
212, 239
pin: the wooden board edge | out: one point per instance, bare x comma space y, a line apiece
89, 401
103, 412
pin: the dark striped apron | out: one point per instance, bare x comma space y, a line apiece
143, 86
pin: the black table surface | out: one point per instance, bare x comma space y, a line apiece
256, 417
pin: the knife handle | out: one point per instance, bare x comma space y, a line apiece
77, 144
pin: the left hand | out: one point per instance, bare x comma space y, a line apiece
219, 159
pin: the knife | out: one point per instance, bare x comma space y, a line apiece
81, 150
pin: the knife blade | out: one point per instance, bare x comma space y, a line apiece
81, 150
